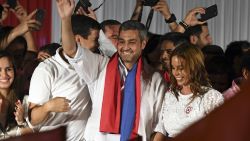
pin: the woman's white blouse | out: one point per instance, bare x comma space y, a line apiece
179, 114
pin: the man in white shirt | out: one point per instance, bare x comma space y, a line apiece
57, 95
117, 85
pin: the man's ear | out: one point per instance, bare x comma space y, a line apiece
193, 39
78, 38
245, 73
144, 42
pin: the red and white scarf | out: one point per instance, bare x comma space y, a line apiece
112, 98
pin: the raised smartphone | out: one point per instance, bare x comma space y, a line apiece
210, 12
12, 3
40, 13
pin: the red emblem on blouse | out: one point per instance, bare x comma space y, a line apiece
188, 109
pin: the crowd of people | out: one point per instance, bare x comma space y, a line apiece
113, 81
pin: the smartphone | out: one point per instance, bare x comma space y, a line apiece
210, 12
40, 15
12, 3
150, 2
84, 4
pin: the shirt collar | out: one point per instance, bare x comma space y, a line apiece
123, 70
59, 58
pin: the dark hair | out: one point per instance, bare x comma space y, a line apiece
50, 48
219, 68
151, 52
234, 53
194, 63
236, 49
212, 50
82, 25
152, 43
244, 44
176, 38
4, 33
218, 65
134, 25
245, 62
194, 30
108, 23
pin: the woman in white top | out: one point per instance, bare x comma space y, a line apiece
190, 96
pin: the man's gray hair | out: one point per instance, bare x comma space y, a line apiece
134, 25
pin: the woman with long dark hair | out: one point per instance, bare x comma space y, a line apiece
12, 120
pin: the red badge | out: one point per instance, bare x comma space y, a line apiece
188, 109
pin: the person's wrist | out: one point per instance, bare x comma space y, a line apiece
22, 124
170, 19
47, 106
15, 32
166, 14
184, 25
138, 8
188, 21
66, 19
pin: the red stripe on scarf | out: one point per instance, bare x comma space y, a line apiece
112, 99
111, 104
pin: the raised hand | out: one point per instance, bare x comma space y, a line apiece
163, 8
65, 8
19, 113
28, 24
20, 13
4, 12
137, 13
191, 17
58, 104
80, 11
91, 14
